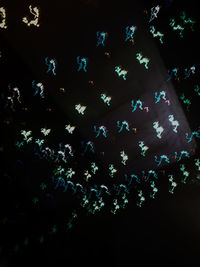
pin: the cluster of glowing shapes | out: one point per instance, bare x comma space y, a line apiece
51, 64
143, 148
141, 198
154, 12
27, 135
197, 90
185, 101
70, 128
122, 125
101, 129
101, 37
121, 72
183, 152
112, 170
159, 129
117, 205
130, 31
45, 131
3, 16
154, 189
39, 88
156, 34
174, 123
35, 21
124, 157
162, 95
172, 183
162, 157
82, 63
185, 173
189, 139
106, 99
81, 109
142, 60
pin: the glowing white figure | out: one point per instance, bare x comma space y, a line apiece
138, 102
35, 21
154, 12
40, 142
112, 170
185, 173
142, 198
121, 72
69, 147
142, 60
27, 135
173, 184
155, 189
81, 109
94, 167
87, 175
143, 148
159, 129
197, 163
124, 157
3, 15
51, 63
45, 131
106, 99
39, 87
70, 128
174, 123
178, 27
157, 34
70, 173
116, 206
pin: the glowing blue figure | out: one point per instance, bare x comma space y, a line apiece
142, 60
189, 72
89, 145
162, 157
142, 198
152, 172
154, 188
143, 148
69, 173
157, 34
185, 173
81, 109
185, 101
39, 88
101, 37
173, 184
174, 73
121, 125
70, 128
82, 63
159, 95
130, 31
130, 178
94, 168
60, 182
101, 129
51, 64
173, 122
176, 28
196, 89
112, 170
138, 102
154, 12
106, 99
183, 152
121, 72
189, 139
159, 129
27, 135
105, 189
124, 157
19, 144
186, 21
197, 163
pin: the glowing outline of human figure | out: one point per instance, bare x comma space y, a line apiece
121, 72
112, 170
70, 128
89, 144
94, 168
130, 31
158, 34
173, 183
101, 37
154, 12
178, 27
188, 72
82, 62
155, 189
161, 94
142, 198
106, 99
186, 21
143, 148
35, 12
69, 173
159, 129
138, 102
51, 64
185, 173
38, 87
161, 158
102, 129
124, 157
173, 122
196, 89
124, 123
183, 152
142, 60
81, 109
3, 15
196, 134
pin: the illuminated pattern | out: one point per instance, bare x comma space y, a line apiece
172, 183
39, 142
130, 31
174, 123
116, 206
176, 28
142, 60
14, 94
157, 34
185, 173
189, 139
138, 103
189, 71
3, 16
149, 173
174, 73
197, 163
106, 99
154, 12
45, 131
159, 95
163, 157
112, 170
122, 125
101, 129
130, 178
142, 198
101, 37
27, 135
81, 109
183, 152
196, 89
87, 175
159, 129
39, 88
82, 63
89, 145
124, 157
70, 128
35, 21
121, 72
51, 64
187, 21
69, 173
94, 168
143, 148
185, 101
154, 189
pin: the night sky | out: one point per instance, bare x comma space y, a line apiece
49, 225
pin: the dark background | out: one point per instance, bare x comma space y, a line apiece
165, 230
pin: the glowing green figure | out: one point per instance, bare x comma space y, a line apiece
185, 101
43, 186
